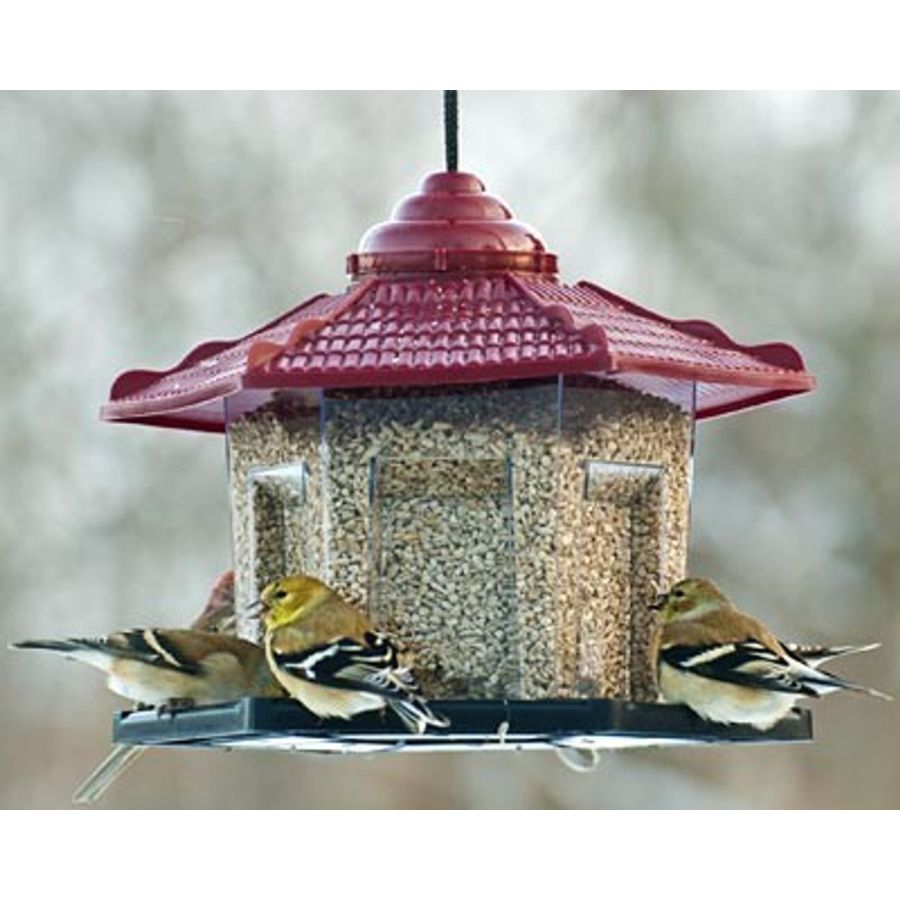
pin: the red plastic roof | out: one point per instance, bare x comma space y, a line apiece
453, 328
455, 289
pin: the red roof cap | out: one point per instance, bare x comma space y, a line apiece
452, 225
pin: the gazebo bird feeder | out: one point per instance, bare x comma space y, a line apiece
494, 463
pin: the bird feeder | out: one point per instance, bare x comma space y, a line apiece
494, 463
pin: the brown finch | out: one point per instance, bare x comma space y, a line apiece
169, 668
728, 667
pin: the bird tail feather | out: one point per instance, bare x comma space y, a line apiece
416, 714
92, 652
825, 682
863, 689
67, 646
816, 655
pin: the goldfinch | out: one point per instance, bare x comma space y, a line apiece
217, 617
170, 667
728, 667
327, 655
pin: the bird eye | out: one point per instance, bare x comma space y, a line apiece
678, 593
280, 594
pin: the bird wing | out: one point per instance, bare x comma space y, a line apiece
369, 665
152, 646
751, 664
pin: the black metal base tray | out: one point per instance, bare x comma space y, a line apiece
254, 723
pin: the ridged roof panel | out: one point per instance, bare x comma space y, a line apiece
454, 330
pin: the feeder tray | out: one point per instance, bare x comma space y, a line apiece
262, 724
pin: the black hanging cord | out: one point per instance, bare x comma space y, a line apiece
451, 129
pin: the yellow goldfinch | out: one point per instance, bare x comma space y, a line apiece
217, 617
327, 655
728, 667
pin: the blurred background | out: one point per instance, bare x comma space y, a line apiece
135, 225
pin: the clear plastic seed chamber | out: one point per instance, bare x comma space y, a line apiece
494, 464
508, 535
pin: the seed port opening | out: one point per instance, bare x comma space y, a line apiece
626, 502
282, 524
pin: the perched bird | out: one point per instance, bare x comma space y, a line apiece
327, 655
169, 668
217, 617
728, 667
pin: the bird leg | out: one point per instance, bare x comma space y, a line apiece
172, 705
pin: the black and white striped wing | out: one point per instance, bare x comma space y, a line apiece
154, 647
749, 664
370, 666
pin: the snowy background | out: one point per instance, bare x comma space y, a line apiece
135, 225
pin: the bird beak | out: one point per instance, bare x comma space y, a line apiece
266, 596
659, 603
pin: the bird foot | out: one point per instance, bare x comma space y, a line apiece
173, 705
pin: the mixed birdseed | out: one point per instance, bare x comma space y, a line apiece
509, 538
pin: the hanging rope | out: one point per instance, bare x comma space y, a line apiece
451, 129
